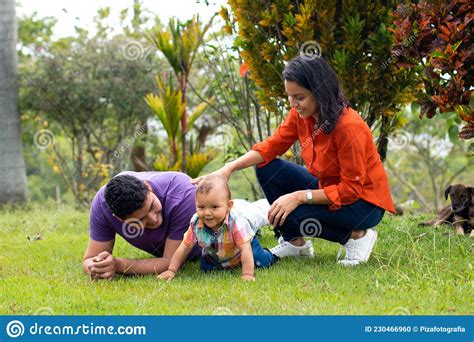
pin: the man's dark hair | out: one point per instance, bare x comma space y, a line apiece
124, 194
314, 74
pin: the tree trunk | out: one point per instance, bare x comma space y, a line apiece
13, 185
138, 158
382, 142
184, 128
138, 154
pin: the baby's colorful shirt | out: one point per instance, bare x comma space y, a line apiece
220, 246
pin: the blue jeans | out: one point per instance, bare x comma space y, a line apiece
280, 177
261, 258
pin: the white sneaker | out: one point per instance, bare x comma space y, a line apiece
358, 251
285, 249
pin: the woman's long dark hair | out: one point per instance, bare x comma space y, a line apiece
314, 74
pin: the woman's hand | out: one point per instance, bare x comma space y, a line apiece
250, 158
224, 172
282, 207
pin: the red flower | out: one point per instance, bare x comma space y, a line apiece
244, 69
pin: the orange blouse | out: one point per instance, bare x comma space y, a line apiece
345, 161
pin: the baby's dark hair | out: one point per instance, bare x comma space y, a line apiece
211, 182
124, 194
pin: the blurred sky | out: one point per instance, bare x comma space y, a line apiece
81, 12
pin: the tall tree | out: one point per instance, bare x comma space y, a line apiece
168, 107
179, 43
351, 35
91, 97
442, 53
135, 31
13, 185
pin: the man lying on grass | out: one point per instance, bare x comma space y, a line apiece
226, 235
150, 210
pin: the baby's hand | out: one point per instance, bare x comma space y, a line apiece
169, 275
247, 277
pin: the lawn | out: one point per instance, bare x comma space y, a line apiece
409, 273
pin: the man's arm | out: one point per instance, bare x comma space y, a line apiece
147, 266
91, 257
100, 264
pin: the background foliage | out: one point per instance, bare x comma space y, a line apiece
104, 100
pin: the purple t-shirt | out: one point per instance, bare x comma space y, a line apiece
176, 195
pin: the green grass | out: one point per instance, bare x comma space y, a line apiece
429, 275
